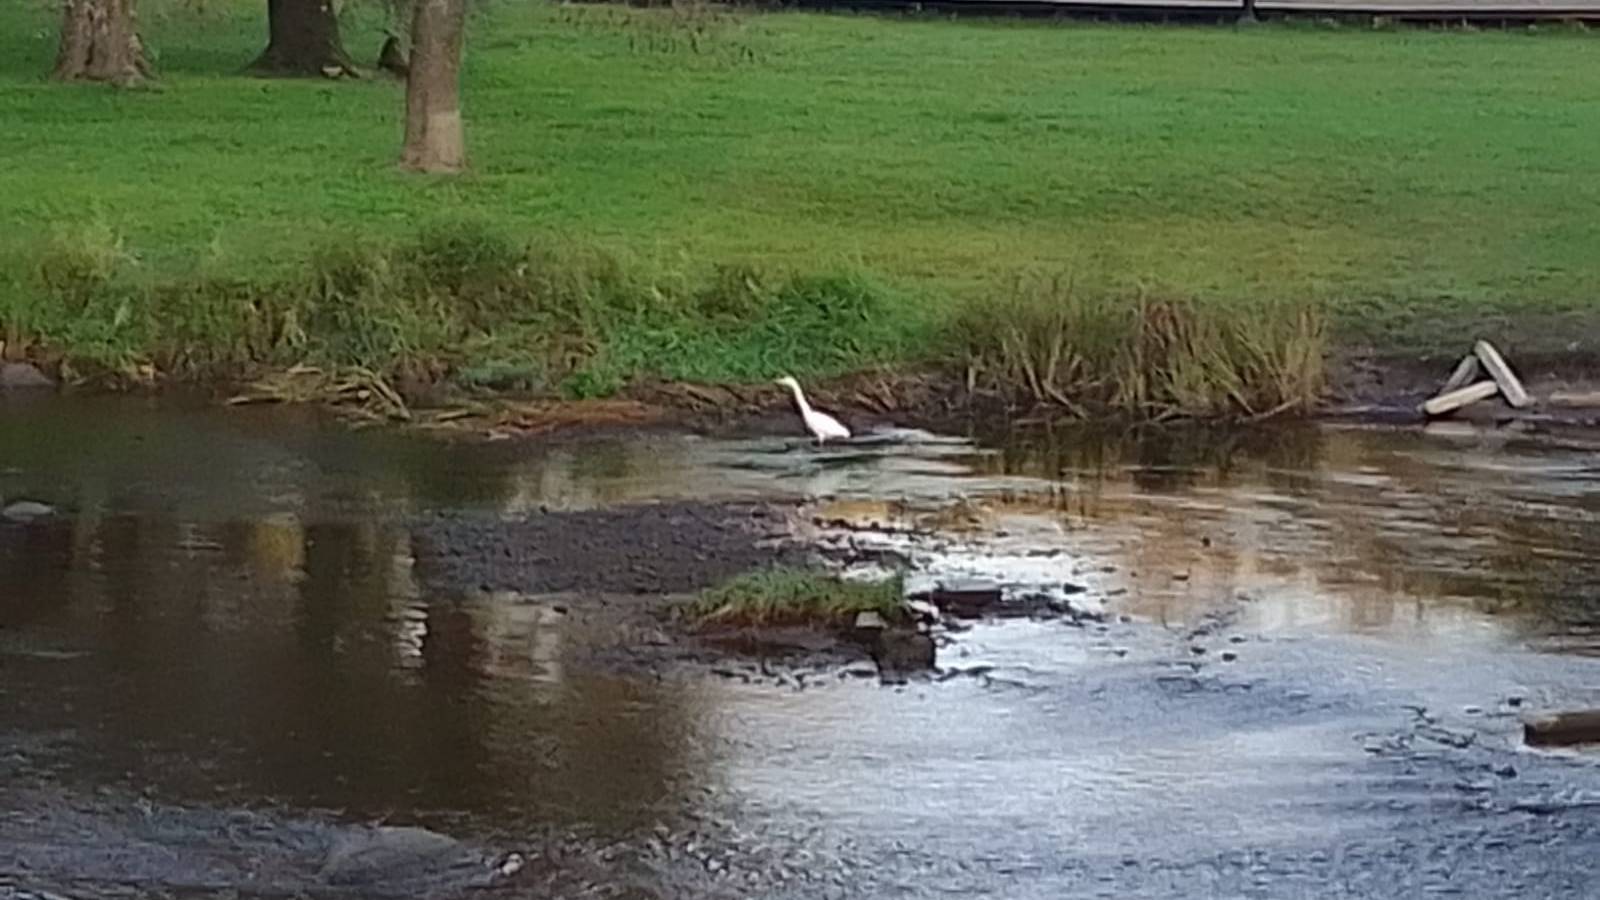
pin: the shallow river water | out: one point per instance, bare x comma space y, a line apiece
1316, 647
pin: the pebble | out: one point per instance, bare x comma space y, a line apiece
870, 621
26, 511
1229, 656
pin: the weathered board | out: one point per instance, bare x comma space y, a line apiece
1466, 372
1454, 400
1510, 385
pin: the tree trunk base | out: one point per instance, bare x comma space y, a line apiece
303, 42
100, 42
439, 147
274, 63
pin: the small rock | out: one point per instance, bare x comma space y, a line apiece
26, 511
1506, 770
1236, 639
1229, 656
1119, 651
870, 621
903, 652
1472, 710
510, 866
385, 854
23, 376
1198, 650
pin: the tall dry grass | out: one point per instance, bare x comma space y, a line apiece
1139, 355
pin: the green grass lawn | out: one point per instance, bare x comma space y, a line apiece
1393, 175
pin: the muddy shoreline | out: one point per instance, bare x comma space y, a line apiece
1361, 387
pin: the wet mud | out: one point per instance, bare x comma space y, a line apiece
651, 548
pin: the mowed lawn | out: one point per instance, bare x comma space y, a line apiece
1385, 171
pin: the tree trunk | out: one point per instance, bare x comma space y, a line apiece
435, 139
303, 39
100, 42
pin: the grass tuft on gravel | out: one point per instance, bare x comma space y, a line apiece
788, 596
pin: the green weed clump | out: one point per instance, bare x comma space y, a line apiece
786, 596
1147, 358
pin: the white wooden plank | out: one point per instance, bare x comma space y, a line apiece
1465, 372
1454, 400
1510, 385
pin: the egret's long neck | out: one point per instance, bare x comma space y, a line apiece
800, 399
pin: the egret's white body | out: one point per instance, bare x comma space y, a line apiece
821, 425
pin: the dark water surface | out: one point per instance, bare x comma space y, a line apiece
226, 615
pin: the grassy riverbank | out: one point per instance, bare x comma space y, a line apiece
698, 194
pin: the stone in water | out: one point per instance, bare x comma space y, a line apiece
26, 511
23, 376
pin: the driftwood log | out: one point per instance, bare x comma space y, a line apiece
1562, 729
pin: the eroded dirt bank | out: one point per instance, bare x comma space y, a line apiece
1361, 387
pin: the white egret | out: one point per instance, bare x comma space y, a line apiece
821, 425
